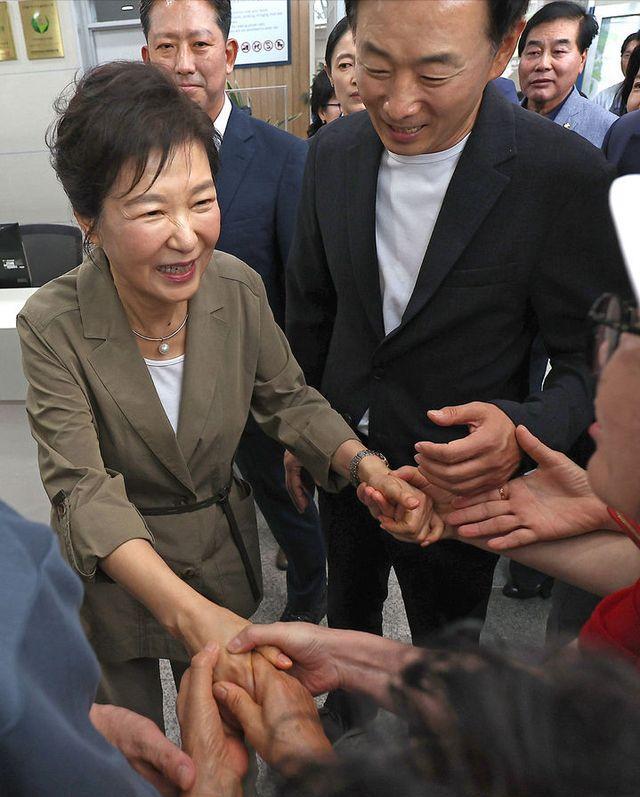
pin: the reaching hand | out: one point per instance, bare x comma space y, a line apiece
145, 747
420, 525
552, 502
300, 485
220, 756
310, 647
221, 625
282, 722
485, 459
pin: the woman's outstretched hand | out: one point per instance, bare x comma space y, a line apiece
399, 501
552, 502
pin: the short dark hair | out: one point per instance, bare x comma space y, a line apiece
632, 37
321, 94
587, 29
221, 7
503, 15
119, 114
632, 73
339, 29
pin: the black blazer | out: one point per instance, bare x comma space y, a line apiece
258, 188
523, 242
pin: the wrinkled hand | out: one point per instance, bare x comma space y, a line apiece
421, 524
220, 756
552, 502
485, 459
221, 625
282, 722
310, 647
145, 747
299, 483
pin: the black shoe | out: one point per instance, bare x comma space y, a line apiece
315, 616
281, 560
514, 590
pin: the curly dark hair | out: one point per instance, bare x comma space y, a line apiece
479, 723
119, 114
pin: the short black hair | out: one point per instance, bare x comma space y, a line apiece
632, 73
321, 94
221, 7
339, 29
632, 37
503, 15
587, 29
119, 114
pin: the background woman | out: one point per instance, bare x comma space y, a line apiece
339, 63
324, 105
143, 364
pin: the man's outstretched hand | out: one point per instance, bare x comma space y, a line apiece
483, 460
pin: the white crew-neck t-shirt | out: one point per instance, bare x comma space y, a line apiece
167, 378
410, 193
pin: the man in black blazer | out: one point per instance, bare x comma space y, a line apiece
258, 187
521, 241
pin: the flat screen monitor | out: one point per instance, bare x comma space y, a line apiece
14, 269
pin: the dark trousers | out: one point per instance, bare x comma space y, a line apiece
445, 582
260, 460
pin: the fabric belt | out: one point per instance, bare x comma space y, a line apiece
221, 498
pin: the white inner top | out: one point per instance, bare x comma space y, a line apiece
222, 118
167, 378
410, 193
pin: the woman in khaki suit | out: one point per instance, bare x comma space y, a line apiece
143, 364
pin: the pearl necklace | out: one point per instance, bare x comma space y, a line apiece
163, 348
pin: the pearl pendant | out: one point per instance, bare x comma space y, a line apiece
163, 348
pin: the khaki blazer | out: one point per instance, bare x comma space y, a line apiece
108, 454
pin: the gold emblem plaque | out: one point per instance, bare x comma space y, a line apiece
7, 46
41, 27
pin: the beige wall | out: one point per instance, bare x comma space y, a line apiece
29, 191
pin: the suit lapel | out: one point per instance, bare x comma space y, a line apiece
363, 164
120, 367
204, 361
474, 188
235, 155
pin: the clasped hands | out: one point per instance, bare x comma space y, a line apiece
483, 460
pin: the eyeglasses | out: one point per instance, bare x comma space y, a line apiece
610, 318
333, 105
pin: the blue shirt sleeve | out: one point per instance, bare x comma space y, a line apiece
48, 677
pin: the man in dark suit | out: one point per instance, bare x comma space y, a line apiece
437, 234
258, 188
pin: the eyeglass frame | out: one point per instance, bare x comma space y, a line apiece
629, 323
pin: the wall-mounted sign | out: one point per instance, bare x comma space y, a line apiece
41, 27
7, 46
263, 32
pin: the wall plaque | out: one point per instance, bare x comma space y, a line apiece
7, 46
41, 27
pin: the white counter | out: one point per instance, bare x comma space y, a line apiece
12, 383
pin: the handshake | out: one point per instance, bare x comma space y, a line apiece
412, 503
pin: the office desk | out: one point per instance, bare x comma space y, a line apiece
13, 385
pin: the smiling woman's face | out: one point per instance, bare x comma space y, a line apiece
159, 236
614, 469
